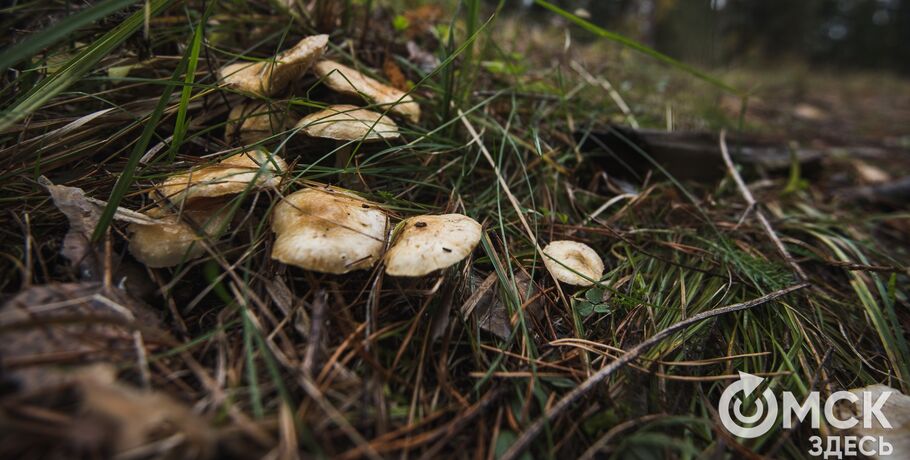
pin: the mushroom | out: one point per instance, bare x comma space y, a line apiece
573, 263
428, 243
251, 122
257, 168
348, 123
346, 80
270, 77
328, 230
174, 240
888, 404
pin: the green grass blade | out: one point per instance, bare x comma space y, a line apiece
180, 125
629, 43
51, 35
73, 70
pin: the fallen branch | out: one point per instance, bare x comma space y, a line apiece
753, 206
580, 391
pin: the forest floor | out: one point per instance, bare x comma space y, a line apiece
235, 355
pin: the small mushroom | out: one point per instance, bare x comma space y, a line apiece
251, 122
428, 243
328, 230
257, 168
346, 80
174, 240
348, 123
270, 77
573, 263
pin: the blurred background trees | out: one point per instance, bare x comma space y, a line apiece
861, 34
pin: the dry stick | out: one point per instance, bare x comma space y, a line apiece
580, 391
750, 201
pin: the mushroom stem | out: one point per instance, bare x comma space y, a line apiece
342, 158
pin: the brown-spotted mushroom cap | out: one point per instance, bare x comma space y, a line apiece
270, 77
328, 230
256, 168
174, 240
574, 259
428, 243
348, 123
346, 80
252, 122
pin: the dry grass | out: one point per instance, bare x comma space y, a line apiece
283, 362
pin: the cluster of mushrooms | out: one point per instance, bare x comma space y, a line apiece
320, 228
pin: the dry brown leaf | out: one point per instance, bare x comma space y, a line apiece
486, 307
83, 214
68, 324
141, 419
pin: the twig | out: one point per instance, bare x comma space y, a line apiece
580, 391
750, 200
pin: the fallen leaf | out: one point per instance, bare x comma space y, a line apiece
92, 415
83, 214
45, 327
491, 314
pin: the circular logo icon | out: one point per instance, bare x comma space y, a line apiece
760, 421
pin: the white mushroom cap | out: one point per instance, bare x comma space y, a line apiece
346, 80
173, 241
328, 230
234, 174
252, 122
270, 77
348, 123
428, 243
574, 259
